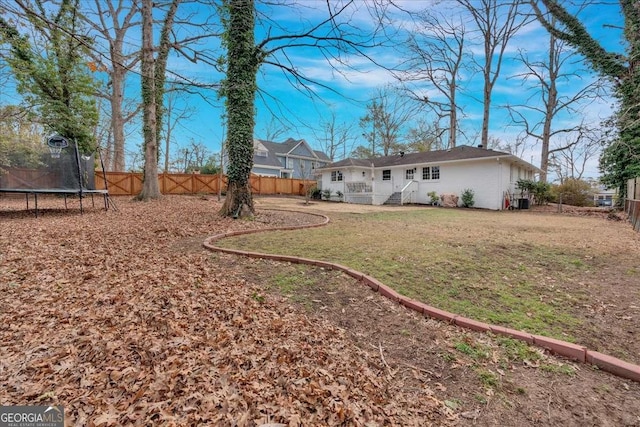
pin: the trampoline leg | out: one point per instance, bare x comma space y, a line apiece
93, 203
27, 197
81, 211
65, 201
106, 202
35, 197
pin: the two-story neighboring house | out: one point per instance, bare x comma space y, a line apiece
289, 159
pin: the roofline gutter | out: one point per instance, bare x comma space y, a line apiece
515, 159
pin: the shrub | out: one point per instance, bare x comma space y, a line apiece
326, 194
434, 198
575, 192
467, 198
541, 191
315, 193
339, 194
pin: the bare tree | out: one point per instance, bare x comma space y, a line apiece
388, 114
335, 139
517, 147
570, 162
174, 114
438, 57
538, 118
620, 159
275, 129
425, 137
113, 21
194, 157
153, 70
497, 21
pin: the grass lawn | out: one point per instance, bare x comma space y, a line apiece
528, 271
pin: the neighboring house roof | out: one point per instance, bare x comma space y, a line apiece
454, 154
270, 159
284, 148
322, 156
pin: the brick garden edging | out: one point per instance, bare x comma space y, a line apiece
569, 350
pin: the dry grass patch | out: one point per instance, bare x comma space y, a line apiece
560, 276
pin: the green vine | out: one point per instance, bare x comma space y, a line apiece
239, 87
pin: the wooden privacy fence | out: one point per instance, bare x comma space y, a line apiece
130, 184
632, 203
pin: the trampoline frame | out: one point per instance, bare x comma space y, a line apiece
80, 192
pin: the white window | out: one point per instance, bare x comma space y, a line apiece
435, 172
431, 172
386, 175
408, 174
261, 153
336, 176
426, 173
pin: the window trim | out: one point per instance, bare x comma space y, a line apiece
388, 172
431, 173
427, 176
435, 170
336, 176
409, 173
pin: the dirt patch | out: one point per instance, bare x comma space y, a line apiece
479, 378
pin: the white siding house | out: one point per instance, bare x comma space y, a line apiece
408, 178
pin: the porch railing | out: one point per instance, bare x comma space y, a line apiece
406, 194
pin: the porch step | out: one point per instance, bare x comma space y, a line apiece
394, 199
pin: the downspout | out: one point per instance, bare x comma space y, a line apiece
500, 189
373, 185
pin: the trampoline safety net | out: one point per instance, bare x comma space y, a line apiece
60, 166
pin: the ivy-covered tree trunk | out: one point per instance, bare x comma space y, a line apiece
239, 88
160, 76
150, 187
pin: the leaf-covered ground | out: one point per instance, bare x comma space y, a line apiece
101, 314
124, 319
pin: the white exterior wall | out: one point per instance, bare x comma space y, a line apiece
488, 178
335, 186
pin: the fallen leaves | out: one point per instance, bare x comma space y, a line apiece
102, 315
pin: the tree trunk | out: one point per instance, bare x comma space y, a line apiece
239, 89
150, 187
117, 119
453, 115
160, 65
238, 202
550, 111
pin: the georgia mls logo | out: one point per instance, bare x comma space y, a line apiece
31, 416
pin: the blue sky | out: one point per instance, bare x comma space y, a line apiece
352, 87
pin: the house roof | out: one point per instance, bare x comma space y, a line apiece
270, 159
322, 156
463, 152
285, 147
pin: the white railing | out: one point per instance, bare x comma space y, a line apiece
358, 187
405, 194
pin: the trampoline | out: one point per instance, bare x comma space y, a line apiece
63, 171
